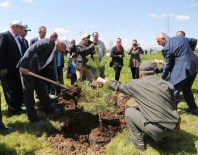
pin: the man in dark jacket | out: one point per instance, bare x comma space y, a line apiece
38, 59
10, 54
181, 65
41, 35
155, 113
23, 42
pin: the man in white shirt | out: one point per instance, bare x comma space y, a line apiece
102, 51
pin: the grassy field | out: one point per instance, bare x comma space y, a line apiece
28, 139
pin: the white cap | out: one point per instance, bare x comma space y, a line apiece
85, 35
16, 22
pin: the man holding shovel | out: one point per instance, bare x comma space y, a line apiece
38, 59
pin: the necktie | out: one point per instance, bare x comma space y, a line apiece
19, 45
24, 43
21, 42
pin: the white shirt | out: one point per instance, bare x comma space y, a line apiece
50, 57
102, 49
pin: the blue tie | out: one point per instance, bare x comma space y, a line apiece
24, 42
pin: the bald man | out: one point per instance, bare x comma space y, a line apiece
38, 59
181, 64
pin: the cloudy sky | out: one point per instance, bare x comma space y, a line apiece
127, 19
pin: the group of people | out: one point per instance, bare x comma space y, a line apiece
44, 57
117, 54
156, 111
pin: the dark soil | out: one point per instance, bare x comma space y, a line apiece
78, 132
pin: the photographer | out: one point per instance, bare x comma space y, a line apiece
81, 61
117, 54
135, 61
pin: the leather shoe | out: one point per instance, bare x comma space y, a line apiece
4, 129
38, 122
193, 111
57, 110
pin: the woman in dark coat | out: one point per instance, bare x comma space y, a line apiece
135, 61
117, 54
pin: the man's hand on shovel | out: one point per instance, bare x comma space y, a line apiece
24, 71
27, 72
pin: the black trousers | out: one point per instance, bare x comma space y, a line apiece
55, 90
73, 78
185, 86
117, 72
30, 84
13, 93
135, 72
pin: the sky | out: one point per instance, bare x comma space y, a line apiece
127, 19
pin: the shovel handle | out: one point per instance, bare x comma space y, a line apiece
46, 79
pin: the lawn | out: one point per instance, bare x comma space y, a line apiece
26, 138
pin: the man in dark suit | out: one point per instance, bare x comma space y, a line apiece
10, 54
41, 32
38, 59
23, 42
192, 42
181, 64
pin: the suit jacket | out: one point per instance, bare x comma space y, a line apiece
180, 59
32, 41
36, 57
24, 44
9, 54
193, 43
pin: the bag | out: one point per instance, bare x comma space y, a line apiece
111, 63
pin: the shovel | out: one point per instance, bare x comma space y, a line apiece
46, 79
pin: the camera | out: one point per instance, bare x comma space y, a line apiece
95, 44
135, 44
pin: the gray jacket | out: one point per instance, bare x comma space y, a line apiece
154, 97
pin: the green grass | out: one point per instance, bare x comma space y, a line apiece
28, 139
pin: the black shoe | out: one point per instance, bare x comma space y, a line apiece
193, 111
38, 122
4, 130
55, 110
